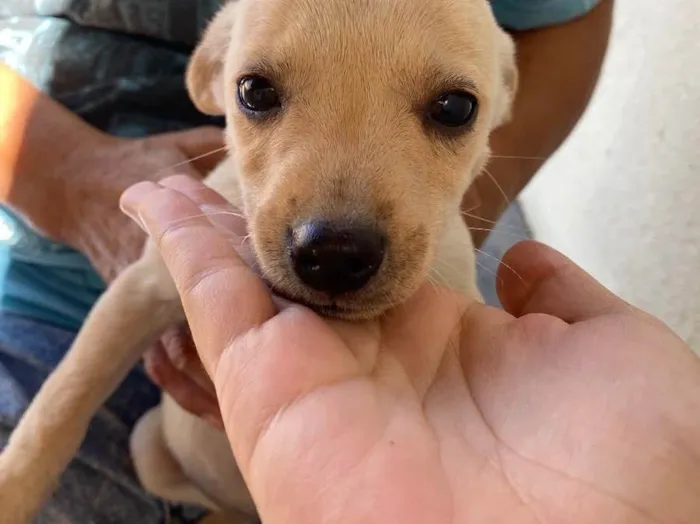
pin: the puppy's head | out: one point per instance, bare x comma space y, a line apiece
355, 127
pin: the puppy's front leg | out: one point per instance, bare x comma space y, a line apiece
126, 320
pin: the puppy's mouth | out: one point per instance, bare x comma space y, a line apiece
331, 267
333, 309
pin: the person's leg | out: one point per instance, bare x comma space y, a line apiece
558, 68
99, 487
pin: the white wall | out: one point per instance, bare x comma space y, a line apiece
622, 196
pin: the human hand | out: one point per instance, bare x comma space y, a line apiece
571, 406
96, 173
173, 364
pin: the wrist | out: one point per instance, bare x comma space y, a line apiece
47, 186
39, 141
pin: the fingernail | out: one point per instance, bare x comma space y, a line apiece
226, 219
136, 217
132, 197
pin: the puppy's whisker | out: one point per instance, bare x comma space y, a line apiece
512, 234
391, 303
513, 229
490, 271
468, 213
190, 160
514, 157
498, 186
205, 215
499, 227
500, 262
441, 280
446, 264
445, 282
433, 284
271, 284
486, 268
438, 289
227, 213
200, 190
473, 208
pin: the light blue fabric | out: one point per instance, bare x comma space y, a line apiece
44, 280
99, 486
534, 14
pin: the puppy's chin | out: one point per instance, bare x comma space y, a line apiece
383, 292
361, 310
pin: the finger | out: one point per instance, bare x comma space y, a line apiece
189, 395
288, 361
221, 297
182, 354
419, 332
219, 212
542, 280
216, 208
480, 332
205, 146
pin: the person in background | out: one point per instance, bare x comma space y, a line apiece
92, 100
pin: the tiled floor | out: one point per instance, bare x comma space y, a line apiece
511, 229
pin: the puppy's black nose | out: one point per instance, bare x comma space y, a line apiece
333, 258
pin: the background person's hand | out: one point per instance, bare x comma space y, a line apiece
101, 168
570, 407
173, 364
98, 172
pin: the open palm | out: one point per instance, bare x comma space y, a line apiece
570, 407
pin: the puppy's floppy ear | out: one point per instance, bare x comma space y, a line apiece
508, 81
204, 72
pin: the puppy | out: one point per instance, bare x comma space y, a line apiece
354, 129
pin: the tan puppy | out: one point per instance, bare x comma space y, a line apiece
354, 129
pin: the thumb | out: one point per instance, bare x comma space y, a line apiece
204, 146
211, 277
534, 278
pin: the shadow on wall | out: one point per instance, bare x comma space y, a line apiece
622, 196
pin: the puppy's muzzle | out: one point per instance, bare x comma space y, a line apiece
334, 257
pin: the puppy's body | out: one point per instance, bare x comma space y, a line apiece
357, 132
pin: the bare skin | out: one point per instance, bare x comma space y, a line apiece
569, 407
546, 109
86, 170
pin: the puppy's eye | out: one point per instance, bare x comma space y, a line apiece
453, 109
257, 94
